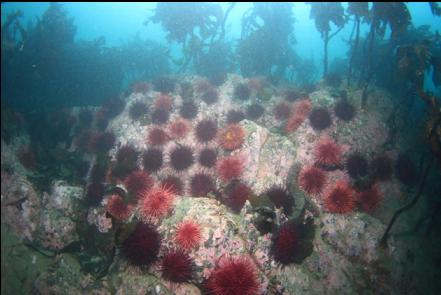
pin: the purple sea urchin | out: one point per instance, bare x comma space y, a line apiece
188, 110
381, 167
181, 158
160, 116
344, 110
210, 96
152, 160
405, 170
142, 246
208, 157
206, 130
281, 198
201, 184
255, 111
235, 116
242, 91
320, 118
356, 165
138, 109
282, 110
174, 183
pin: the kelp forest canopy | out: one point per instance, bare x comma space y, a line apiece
58, 68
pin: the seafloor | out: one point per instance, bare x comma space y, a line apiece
53, 244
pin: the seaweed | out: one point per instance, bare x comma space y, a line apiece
325, 13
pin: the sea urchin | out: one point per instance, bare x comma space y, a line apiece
142, 246
340, 198
155, 203
232, 137
234, 276
188, 235
312, 180
327, 152
176, 266
231, 167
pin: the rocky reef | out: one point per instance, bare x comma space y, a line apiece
278, 203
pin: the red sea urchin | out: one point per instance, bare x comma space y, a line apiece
231, 137
237, 194
340, 198
179, 128
163, 102
142, 246
312, 180
231, 167
234, 276
155, 203
294, 241
188, 235
176, 266
299, 112
327, 152
117, 208
157, 136
138, 181
285, 244
370, 199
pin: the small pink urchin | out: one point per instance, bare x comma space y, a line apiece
234, 276
188, 235
155, 203
312, 180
